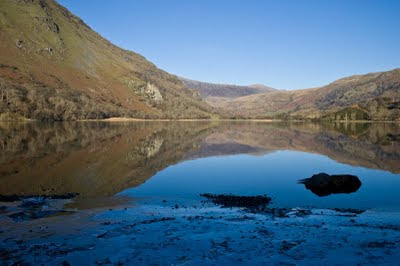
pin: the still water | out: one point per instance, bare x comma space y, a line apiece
180, 160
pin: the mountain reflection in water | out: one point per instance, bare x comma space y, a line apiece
102, 159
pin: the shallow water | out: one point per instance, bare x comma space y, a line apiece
180, 160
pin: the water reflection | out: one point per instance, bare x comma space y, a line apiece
91, 159
102, 159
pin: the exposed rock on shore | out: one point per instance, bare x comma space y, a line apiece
227, 200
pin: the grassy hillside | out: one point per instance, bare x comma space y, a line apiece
54, 67
376, 94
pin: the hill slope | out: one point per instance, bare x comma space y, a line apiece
373, 96
54, 67
210, 90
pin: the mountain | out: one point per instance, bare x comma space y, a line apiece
262, 87
212, 90
55, 67
374, 96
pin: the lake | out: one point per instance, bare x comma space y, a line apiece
184, 159
130, 192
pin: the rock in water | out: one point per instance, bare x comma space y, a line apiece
323, 184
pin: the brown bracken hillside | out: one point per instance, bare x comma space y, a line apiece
54, 67
375, 96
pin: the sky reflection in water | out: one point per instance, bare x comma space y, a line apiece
275, 174
184, 159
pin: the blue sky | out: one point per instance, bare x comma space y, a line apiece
286, 44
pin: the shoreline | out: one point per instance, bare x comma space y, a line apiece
123, 119
197, 233
127, 119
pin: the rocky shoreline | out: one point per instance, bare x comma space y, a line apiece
165, 232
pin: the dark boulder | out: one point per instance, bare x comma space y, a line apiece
323, 184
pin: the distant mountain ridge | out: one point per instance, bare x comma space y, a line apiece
207, 90
374, 96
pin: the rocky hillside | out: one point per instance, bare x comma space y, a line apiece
211, 90
54, 67
375, 96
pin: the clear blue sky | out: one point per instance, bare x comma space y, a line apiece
287, 44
